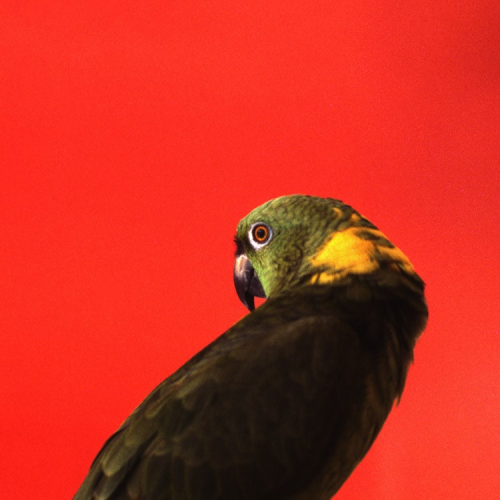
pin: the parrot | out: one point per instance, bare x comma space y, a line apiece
286, 403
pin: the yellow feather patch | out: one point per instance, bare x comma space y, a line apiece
356, 250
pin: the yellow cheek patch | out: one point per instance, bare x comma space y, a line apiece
357, 250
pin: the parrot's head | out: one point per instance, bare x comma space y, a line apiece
306, 240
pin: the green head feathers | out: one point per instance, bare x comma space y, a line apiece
294, 240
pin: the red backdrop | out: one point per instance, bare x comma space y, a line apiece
134, 136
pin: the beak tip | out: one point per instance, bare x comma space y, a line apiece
249, 302
245, 280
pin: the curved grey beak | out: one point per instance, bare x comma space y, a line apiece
247, 282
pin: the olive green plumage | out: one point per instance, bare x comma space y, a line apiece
286, 403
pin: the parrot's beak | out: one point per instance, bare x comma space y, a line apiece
247, 282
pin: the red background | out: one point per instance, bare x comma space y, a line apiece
135, 135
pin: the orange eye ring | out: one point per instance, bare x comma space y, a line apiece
261, 233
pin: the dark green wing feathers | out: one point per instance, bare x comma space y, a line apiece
286, 403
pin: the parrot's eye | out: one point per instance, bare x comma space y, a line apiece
260, 234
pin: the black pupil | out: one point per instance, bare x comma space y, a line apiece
261, 233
